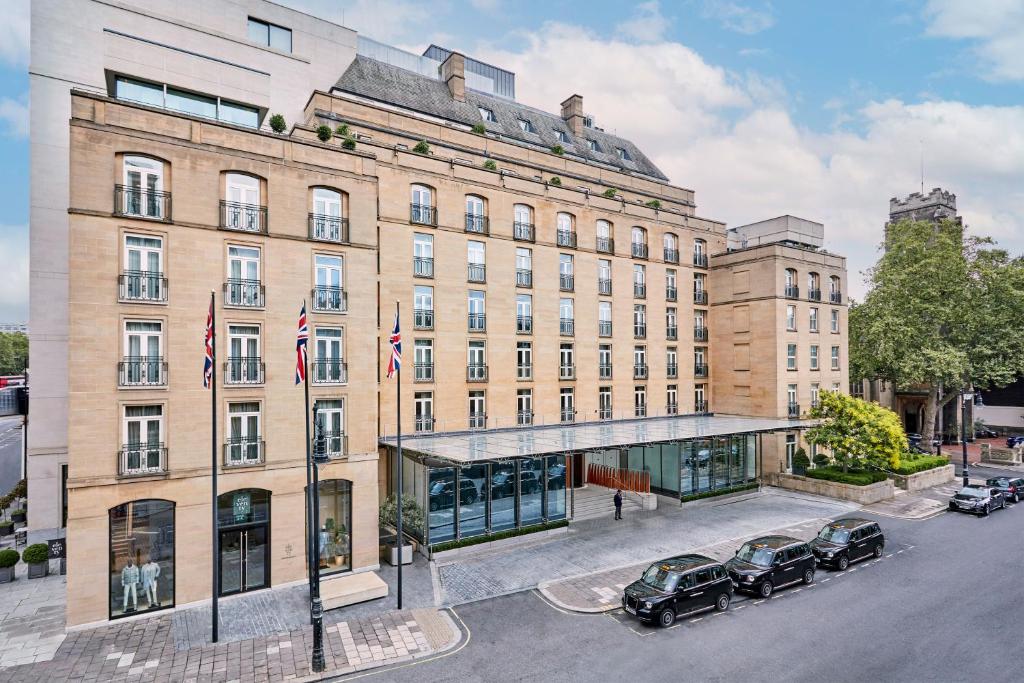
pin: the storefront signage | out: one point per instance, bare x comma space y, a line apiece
57, 548
242, 505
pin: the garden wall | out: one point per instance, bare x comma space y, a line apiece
925, 479
865, 495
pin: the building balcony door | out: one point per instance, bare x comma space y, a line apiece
244, 559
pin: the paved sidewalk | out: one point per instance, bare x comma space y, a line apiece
602, 591
31, 618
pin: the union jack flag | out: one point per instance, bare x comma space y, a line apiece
396, 350
208, 363
300, 347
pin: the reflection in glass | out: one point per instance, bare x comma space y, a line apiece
669, 468
503, 496
556, 487
473, 501
335, 526
531, 502
720, 463
141, 557
441, 494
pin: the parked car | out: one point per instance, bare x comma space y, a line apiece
771, 562
985, 433
677, 587
556, 477
503, 484
1012, 488
978, 499
847, 540
1014, 441
442, 494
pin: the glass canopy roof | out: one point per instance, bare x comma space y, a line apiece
525, 442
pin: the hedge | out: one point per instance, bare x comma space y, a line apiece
717, 492
920, 464
854, 477
8, 558
511, 533
36, 553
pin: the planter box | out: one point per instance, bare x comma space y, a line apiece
1001, 456
925, 479
6, 574
391, 554
865, 495
502, 543
39, 570
7, 529
17, 517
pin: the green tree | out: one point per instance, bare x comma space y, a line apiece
939, 315
13, 353
856, 432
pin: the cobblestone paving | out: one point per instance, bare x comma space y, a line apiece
642, 538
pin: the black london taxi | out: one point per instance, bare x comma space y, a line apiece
442, 494
771, 562
847, 540
677, 587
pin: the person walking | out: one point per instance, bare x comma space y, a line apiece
618, 503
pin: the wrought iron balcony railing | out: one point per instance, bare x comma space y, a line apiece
639, 250
329, 299
476, 372
700, 407
671, 408
142, 286
244, 217
700, 260
792, 292
423, 372
424, 423
423, 318
565, 238
327, 228
604, 371
565, 282
671, 255
477, 420
524, 324
244, 293
605, 245
700, 333
524, 418
639, 331
477, 224
639, 371
523, 232
524, 372
476, 272
604, 286
700, 369
814, 294
477, 322
604, 328
422, 214
700, 297
243, 370
671, 293
139, 202
671, 333
672, 371
640, 410
524, 278
566, 371
793, 410
141, 459
567, 415
329, 371
241, 451
835, 297
423, 266
566, 326
142, 371
639, 290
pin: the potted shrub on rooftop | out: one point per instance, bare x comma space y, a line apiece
412, 525
37, 557
277, 123
8, 558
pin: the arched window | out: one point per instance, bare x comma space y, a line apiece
421, 208
565, 235
700, 253
243, 528
813, 286
522, 226
242, 207
327, 222
476, 215
335, 526
605, 237
142, 193
671, 244
141, 544
835, 291
639, 240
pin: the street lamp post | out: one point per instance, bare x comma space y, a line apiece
316, 607
966, 396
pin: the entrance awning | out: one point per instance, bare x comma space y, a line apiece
528, 442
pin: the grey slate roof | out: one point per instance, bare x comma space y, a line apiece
382, 82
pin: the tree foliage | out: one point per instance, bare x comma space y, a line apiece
857, 433
942, 310
13, 353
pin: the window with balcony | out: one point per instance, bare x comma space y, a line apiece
242, 207
834, 321
671, 400
604, 277
639, 362
671, 248
476, 215
477, 312
567, 404
700, 361
142, 193
329, 295
243, 288
604, 403
423, 308
700, 401
835, 290
244, 364
565, 272
671, 362
477, 410
143, 279
700, 330
640, 401
604, 318
566, 317
329, 363
565, 233
142, 442
639, 321
813, 287
422, 255
522, 225
792, 406
671, 290
476, 262
524, 267
421, 207
791, 318
566, 361
812, 319
639, 281
638, 242
423, 360
423, 405
791, 356
605, 237
524, 407
143, 363
835, 357
524, 360
244, 444
791, 289
700, 292
331, 414
671, 324
700, 253
476, 361
327, 222
815, 392
524, 314
814, 357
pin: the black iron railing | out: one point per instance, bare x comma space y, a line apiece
423, 266
244, 293
639, 290
139, 202
244, 217
672, 371
792, 292
329, 371
565, 238
671, 255
700, 260
604, 371
639, 331
523, 232
671, 293
141, 459
424, 423
566, 326
423, 318
243, 370
604, 328
476, 272
476, 372
604, 286
700, 333
141, 285
814, 294
327, 228
700, 297
700, 369
329, 299
565, 282
142, 371
422, 214
524, 324
240, 451
423, 372
477, 322
477, 224
793, 410
606, 245
639, 250
639, 371
566, 371
671, 333
524, 278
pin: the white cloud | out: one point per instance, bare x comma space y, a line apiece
739, 18
14, 33
14, 275
14, 114
391, 21
732, 140
995, 27
647, 25
485, 5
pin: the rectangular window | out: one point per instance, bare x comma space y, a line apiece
423, 255
143, 269
195, 104
604, 361
835, 321
423, 308
813, 319
423, 404
639, 321
671, 399
790, 317
567, 404
565, 272
329, 293
244, 364
143, 363
243, 286
423, 360
835, 357
700, 402
477, 318
332, 418
815, 390
245, 445
329, 361
477, 410
477, 361
604, 403
566, 315
791, 356
524, 406
790, 450
142, 438
639, 401
566, 362
271, 35
524, 360
191, 103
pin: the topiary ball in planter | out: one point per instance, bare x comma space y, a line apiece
37, 557
6, 528
18, 516
8, 558
277, 123
324, 133
348, 143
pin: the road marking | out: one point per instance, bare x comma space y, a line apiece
758, 602
889, 555
797, 590
826, 580
697, 619
898, 552
740, 607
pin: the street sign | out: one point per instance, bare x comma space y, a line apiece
57, 548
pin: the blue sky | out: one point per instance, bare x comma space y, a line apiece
820, 109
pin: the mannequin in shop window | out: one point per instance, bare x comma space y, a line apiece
129, 584
150, 588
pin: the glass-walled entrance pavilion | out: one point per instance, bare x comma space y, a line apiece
480, 483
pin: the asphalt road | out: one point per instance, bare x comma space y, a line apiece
10, 452
941, 605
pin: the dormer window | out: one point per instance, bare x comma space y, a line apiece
487, 114
593, 145
562, 136
526, 126
623, 154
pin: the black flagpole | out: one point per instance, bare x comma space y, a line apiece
312, 564
398, 497
213, 457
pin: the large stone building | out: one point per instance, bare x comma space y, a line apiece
559, 301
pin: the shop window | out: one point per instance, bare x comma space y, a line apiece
335, 526
141, 557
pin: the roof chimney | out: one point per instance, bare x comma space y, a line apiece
453, 73
572, 113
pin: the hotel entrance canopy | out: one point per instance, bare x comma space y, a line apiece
466, 448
